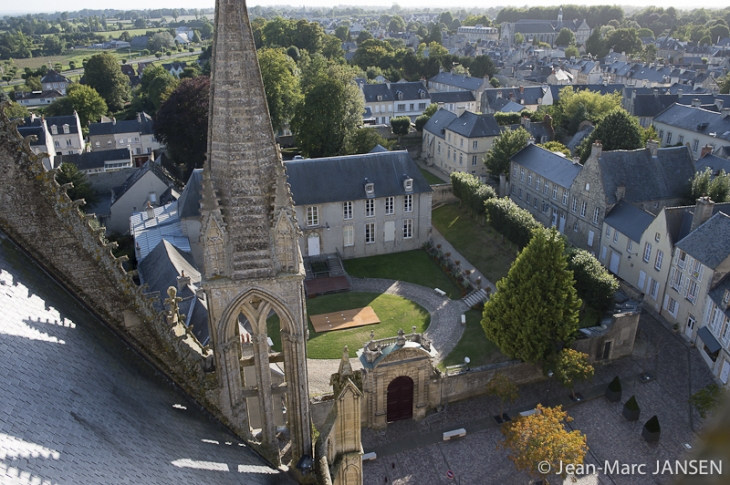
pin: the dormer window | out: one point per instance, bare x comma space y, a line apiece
380, 97
408, 184
726, 299
422, 93
54, 129
399, 94
66, 129
369, 189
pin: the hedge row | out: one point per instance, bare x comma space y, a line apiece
471, 192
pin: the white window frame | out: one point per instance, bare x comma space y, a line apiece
369, 233
647, 252
555, 192
408, 203
347, 210
596, 214
348, 235
565, 197
408, 228
369, 208
574, 207
312, 216
583, 208
658, 260
389, 206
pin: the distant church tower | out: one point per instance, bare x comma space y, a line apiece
252, 265
560, 19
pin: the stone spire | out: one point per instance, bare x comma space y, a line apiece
244, 165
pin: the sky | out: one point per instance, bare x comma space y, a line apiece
11, 8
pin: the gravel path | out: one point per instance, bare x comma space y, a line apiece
444, 331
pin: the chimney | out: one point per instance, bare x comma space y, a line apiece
441, 104
706, 150
696, 103
522, 90
525, 122
679, 93
150, 211
182, 281
724, 113
656, 93
653, 147
620, 192
596, 149
703, 211
719, 103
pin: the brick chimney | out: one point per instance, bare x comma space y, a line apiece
150, 211
696, 103
703, 211
724, 113
653, 147
620, 192
719, 103
182, 281
706, 150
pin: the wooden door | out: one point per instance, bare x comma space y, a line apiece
400, 399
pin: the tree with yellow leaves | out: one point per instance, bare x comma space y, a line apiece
572, 366
539, 443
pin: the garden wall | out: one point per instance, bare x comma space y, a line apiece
474, 383
442, 195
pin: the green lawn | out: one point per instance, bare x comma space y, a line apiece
431, 178
474, 344
411, 266
394, 313
483, 247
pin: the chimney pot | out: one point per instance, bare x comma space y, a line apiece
653, 147
703, 211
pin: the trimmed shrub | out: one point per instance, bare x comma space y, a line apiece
513, 222
595, 285
632, 404
615, 385
653, 425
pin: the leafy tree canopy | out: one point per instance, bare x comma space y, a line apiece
363, 140
102, 72
81, 189
617, 131
565, 38
505, 145
82, 99
283, 93
717, 187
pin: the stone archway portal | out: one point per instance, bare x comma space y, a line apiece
400, 399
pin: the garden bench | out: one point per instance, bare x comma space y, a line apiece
369, 456
440, 292
454, 433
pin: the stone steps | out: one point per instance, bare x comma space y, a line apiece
475, 297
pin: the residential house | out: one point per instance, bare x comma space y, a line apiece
175, 68
648, 178
360, 205
66, 133
388, 100
146, 185
693, 126
455, 101
540, 183
137, 134
55, 81
139, 42
43, 142
100, 162
530, 97
447, 82
37, 98
714, 163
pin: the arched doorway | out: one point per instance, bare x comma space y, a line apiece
400, 399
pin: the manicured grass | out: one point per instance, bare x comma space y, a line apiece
411, 266
481, 246
394, 313
431, 178
474, 344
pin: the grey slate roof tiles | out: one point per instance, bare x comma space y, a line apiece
629, 220
547, 164
323, 180
710, 242
439, 122
693, 119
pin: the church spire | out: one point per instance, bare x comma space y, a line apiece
244, 165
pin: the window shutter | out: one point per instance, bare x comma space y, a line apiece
699, 273
666, 301
671, 276
685, 285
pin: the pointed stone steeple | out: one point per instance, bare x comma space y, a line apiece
244, 164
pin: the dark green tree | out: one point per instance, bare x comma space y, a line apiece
595, 44
716, 187
102, 72
343, 33
504, 146
281, 84
154, 88
623, 40
617, 131
482, 66
534, 313
400, 125
565, 38
69, 173
363, 140
595, 285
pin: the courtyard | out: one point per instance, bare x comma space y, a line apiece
411, 452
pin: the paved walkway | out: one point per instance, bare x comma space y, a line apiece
444, 331
455, 255
412, 452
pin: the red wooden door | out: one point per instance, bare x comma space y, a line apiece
400, 399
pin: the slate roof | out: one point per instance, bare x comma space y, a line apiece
142, 125
649, 105
439, 122
646, 178
710, 242
528, 26
691, 119
139, 42
149, 166
459, 80
718, 292
189, 200
410, 90
528, 94
38, 131
471, 125
629, 220
536, 129
54, 77
160, 270
372, 91
59, 121
335, 179
52, 93
547, 164
715, 164
91, 160
511, 107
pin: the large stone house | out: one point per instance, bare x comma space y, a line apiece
55, 81
447, 82
66, 133
693, 126
360, 205
137, 134
387, 100
475, 34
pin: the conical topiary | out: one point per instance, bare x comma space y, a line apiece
652, 430
613, 390
631, 409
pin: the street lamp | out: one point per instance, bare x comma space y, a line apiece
466, 362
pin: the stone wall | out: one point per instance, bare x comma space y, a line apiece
474, 383
442, 195
39, 216
616, 341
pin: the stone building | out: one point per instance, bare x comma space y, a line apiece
137, 134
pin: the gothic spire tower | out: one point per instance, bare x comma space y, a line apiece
252, 262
